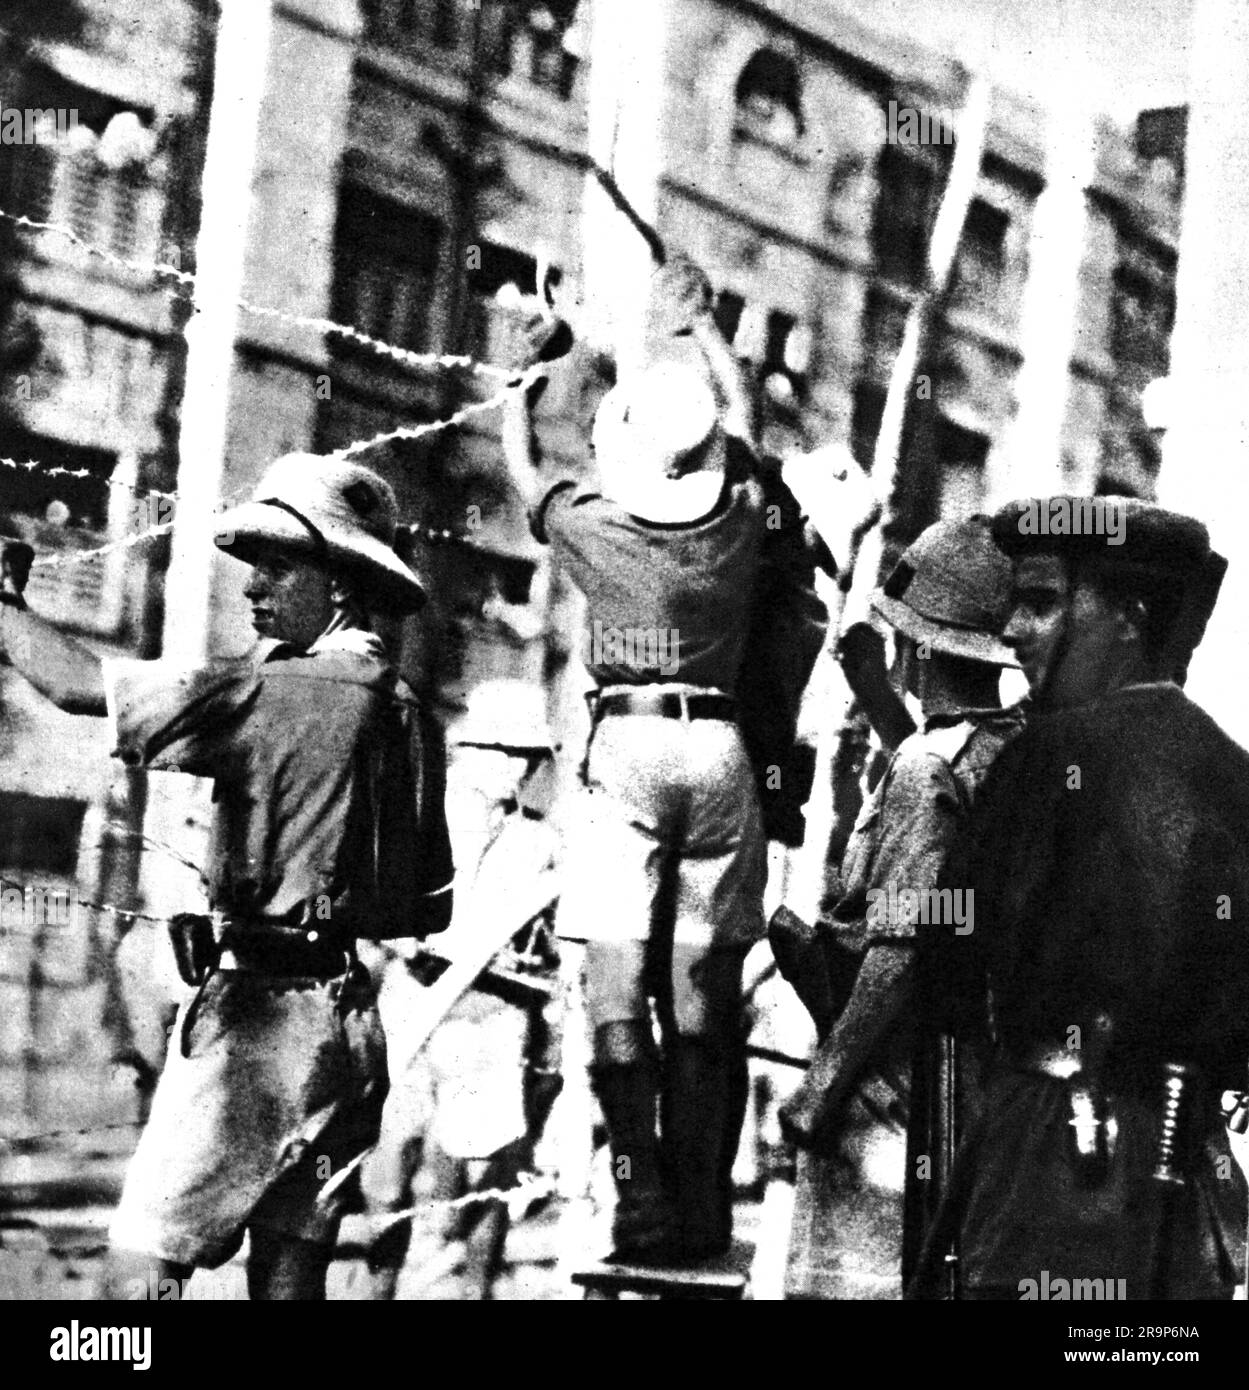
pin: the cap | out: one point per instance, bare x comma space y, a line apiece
1121, 533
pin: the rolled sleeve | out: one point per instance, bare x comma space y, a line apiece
168, 717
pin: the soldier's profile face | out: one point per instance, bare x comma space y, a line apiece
1038, 612
291, 597
1066, 637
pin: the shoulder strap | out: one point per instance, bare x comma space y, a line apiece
948, 742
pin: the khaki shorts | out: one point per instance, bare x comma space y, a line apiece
666, 837
271, 1086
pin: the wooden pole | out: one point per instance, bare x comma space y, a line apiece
1205, 468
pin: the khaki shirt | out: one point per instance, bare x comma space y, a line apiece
328, 796
907, 826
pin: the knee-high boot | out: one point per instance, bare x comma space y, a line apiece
625, 1078
702, 1114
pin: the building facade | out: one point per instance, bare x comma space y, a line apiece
417, 165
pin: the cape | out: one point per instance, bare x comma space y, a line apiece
1109, 857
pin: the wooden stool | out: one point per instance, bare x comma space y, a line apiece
727, 1278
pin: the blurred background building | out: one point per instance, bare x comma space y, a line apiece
407, 167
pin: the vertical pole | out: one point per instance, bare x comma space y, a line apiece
1206, 449
628, 46
1030, 458
233, 139
942, 249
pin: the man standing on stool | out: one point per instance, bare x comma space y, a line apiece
666, 856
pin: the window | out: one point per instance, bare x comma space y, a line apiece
490, 338
85, 500
883, 328
786, 354
769, 100
412, 24
534, 41
905, 211
728, 313
40, 834
1161, 137
982, 252
774, 342
868, 411
63, 515
1142, 309
385, 268
94, 181
961, 455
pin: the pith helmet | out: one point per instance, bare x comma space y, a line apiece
952, 590
504, 713
646, 429
328, 508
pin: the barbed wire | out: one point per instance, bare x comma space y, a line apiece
78, 557
518, 382
528, 1189
55, 470
109, 908
407, 356
31, 1143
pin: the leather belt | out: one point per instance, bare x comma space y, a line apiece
669, 704
292, 951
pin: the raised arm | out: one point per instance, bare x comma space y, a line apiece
680, 306
60, 668
520, 448
733, 379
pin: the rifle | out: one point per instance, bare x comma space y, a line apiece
659, 252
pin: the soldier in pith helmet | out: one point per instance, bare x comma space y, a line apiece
947, 599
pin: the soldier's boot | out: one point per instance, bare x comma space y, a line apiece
625, 1077
735, 1118
701, 1120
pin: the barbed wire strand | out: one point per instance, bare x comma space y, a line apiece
55, 470
407, 356
405, 432
20, 1143
109, 908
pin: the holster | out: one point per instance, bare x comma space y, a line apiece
195, 946
1092, 1128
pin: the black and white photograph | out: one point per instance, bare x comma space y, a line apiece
623, 629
